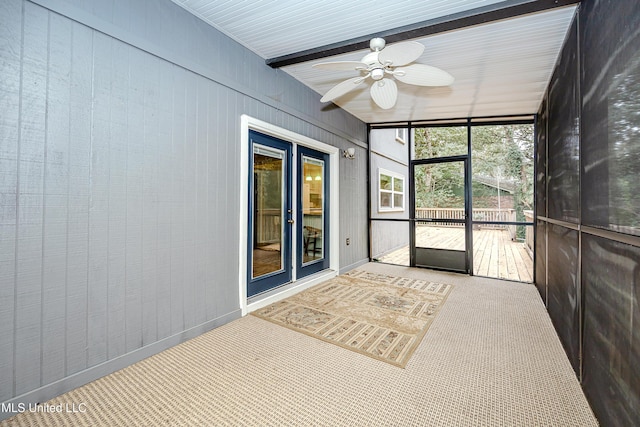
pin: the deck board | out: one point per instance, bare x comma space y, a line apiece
494, 253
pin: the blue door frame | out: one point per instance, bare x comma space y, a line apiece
306, 240
258, 283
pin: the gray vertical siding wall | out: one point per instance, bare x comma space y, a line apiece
119, 157
393, 156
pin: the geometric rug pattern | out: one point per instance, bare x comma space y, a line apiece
380, 316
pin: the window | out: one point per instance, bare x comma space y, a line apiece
401, 135
391, 191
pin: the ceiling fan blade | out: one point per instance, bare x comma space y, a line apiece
340, 65
341, 88
401, 53
423, 75
384, 93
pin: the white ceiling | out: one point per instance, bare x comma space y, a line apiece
501, 68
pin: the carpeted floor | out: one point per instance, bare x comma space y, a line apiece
490, 358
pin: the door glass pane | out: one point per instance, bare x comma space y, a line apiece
439, 194
268, 215
312, 209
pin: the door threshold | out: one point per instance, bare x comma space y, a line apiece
274, 295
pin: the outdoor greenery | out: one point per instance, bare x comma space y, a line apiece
624, 150
502, 164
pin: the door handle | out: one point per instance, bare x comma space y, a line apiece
291, 221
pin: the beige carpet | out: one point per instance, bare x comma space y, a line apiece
380, 316
490, 358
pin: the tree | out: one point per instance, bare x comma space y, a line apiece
440, 185
501, 154
621, 194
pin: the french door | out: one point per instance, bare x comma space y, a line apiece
313, 212
285, 241
270, 213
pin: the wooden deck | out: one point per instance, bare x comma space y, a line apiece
494, 253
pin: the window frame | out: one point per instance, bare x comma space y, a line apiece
392, 192
401, 135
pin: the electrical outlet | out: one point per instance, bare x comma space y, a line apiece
348, 241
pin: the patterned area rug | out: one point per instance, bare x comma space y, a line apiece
384, 317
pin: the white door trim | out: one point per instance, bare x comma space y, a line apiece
250, 123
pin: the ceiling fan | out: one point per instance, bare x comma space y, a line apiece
382, 63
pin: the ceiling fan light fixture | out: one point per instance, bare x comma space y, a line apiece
377, 73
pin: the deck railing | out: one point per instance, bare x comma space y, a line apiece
487, 214
268, 221
440, 213
493, 215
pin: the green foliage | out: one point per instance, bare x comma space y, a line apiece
440, 185
502, 163
623, 150
440, 142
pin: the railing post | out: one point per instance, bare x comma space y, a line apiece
528, 216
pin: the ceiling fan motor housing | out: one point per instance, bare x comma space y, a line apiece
376, 44
371, 59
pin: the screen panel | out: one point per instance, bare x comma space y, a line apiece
563, 288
